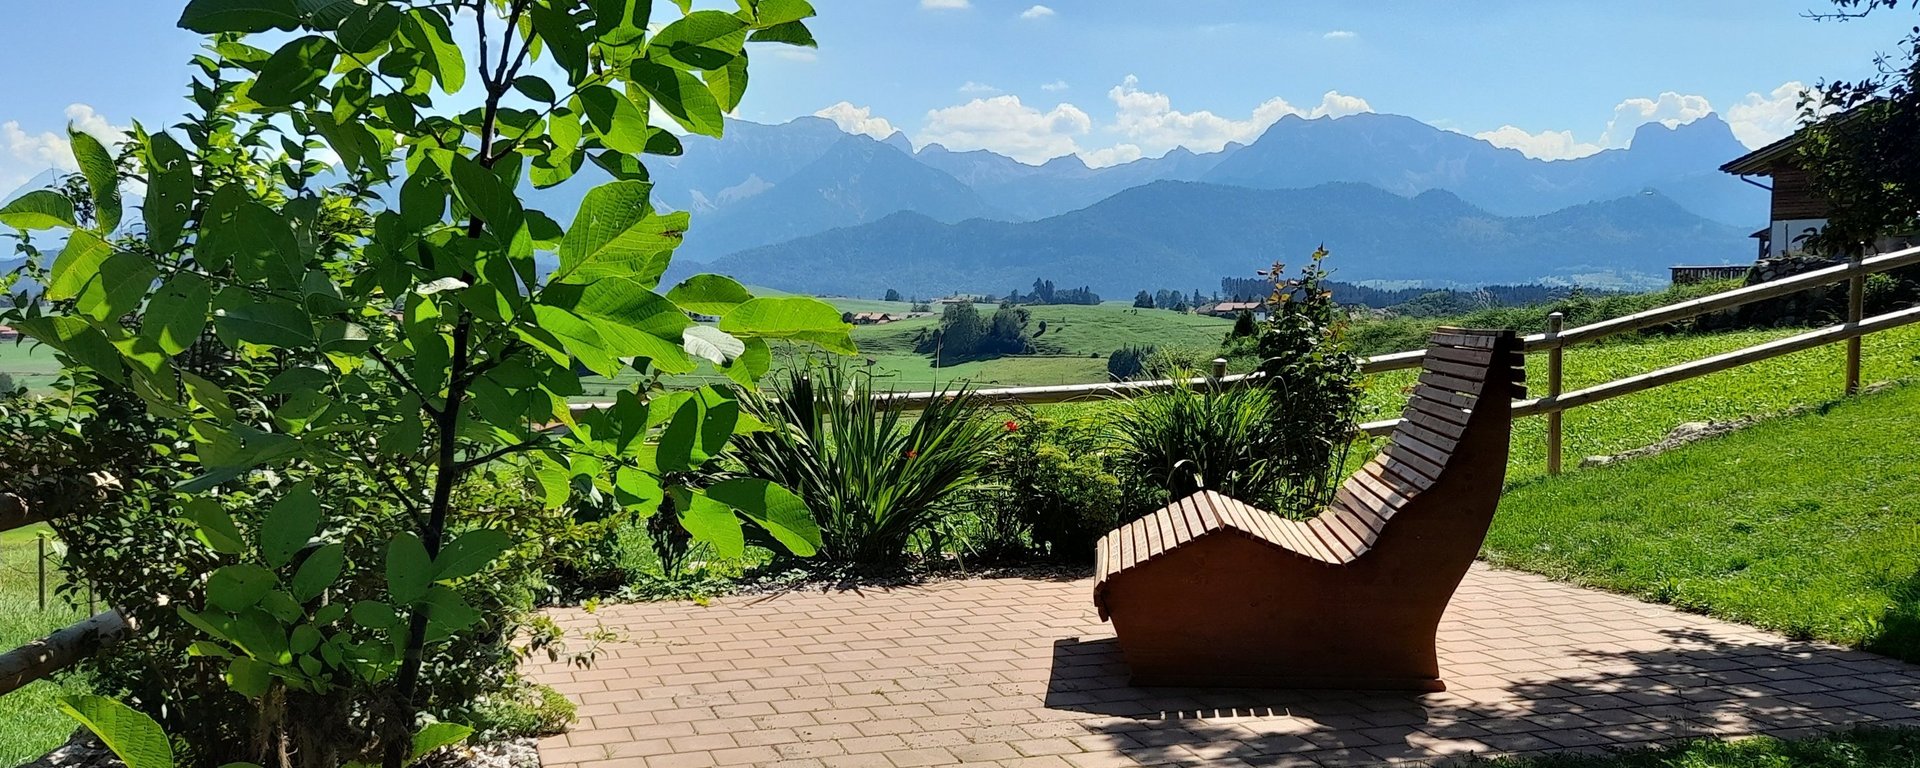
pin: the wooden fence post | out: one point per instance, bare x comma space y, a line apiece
1856, 309
41, 566
1219, 368
1555, 321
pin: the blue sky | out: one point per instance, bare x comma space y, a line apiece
1116, 79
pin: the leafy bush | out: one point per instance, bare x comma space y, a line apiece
1209, 436
874, 473
1129, 361
1313, 380
1052, 491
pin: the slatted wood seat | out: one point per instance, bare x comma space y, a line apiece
1212, 591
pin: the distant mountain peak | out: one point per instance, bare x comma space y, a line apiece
1702, 131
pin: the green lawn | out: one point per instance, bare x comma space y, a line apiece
1808, 525
29, 725
28, 364
1862, 748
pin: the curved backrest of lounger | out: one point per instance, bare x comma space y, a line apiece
1452, 441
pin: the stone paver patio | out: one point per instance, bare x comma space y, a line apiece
1020, 672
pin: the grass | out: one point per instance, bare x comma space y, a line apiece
29, 364
1860, 748
29, 724
1804, 525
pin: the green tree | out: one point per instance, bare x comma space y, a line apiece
892, 295
414, 341
1859, 146
1143, 300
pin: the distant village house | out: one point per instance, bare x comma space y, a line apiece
868, 318
1232, 309
1796, 210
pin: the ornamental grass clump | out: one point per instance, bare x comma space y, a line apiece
874, 473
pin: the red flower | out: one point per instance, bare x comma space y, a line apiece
912, 454
1013, 426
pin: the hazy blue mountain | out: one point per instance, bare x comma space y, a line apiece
1405, 156
1063, 183
1184, 233
856, 181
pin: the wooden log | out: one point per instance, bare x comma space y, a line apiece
41, 658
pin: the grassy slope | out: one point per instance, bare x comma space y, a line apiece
1072, 351
1806, 525
29, 726
28, 364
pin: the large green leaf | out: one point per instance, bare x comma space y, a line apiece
135, 738
215, 527
251, 238
629, 318
169, 192
713, 295
77, 339
680, 95
177, 313
429, 34
703, 40
469, 553
103, 178
436, 736
769, 13
272, 323
619, 22
792, 317
712, 522
123, 282
617, 234
320, 570
771, 507
291, 74
563, 36
289, 523
39, 209
77, 266
215, 16
486, 196
729, 83
249, 677
235, 588
711, 344
790, 33
620, 123
369, 27
409, 569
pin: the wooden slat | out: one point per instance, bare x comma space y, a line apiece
1371, 496
1420, 432
1474, 357
1298, 540
1444, 397
1473, 341
1382, 488
1340, 543
1168, 535
1457, 370
1449, 383
1177, 522
1447, 429
1156, 545
1404, 439
1194, 520
1402, 455
1360, 518
1140, 550
1125, 535
38, 659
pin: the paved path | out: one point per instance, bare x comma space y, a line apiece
1018, 672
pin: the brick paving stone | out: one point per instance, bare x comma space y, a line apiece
1020, 672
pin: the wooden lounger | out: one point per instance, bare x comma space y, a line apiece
1212, 592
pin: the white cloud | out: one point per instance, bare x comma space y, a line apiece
1004, 125
945, 5
973, 87
1114, 155
1149, 122
1057, 85
1670, 109
857, 120
1545, 145
1340, 34
1037, 12
24, 155
794, 53
1761, 119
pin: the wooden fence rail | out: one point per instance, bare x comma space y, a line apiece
63, 648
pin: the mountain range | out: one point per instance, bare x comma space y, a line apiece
1186, 235
1396, 199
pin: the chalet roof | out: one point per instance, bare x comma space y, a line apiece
1762, 161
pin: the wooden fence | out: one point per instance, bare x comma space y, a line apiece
61, 649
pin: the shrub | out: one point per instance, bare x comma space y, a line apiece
1313, 380
873, 477
1053, 492
1129, 361
1209, 436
